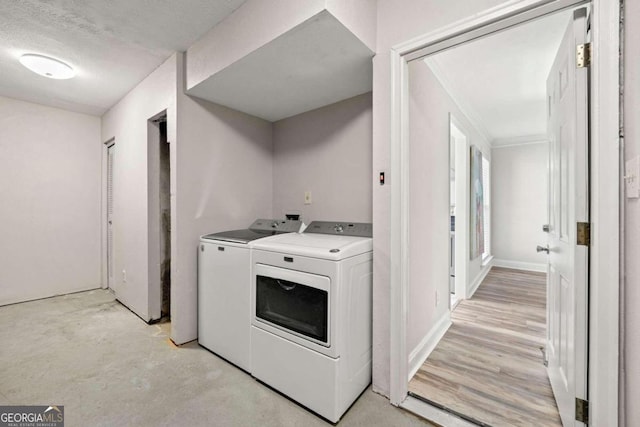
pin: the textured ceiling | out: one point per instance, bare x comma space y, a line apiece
112, 45
500, 80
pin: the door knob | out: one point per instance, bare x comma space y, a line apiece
546, 228
542, 249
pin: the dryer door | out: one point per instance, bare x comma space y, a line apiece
293, 304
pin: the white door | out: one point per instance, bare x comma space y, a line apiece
567, 284
110, 157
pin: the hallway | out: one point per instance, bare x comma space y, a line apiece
489, 365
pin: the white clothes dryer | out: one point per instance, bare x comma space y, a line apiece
311, 314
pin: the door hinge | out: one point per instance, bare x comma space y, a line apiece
583, 55
582, 410
583, 234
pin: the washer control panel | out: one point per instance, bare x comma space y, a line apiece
357, 229
279, 225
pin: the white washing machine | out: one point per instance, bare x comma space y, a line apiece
311, 315
224, 278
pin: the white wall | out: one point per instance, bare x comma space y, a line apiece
631, 300
328, 152
519, 205
50, 197
127, 123
429, 208
221, 175
430, 107
395, 25
222, 180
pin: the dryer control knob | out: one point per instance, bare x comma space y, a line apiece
338, 228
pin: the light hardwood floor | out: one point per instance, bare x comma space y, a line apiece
489, 365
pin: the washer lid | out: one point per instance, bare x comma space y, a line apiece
259, 229
322, 246
239, 236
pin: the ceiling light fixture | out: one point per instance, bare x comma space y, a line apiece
46, 66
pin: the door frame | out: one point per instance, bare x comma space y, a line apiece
103, 225
461, 251
154, 223
605, 171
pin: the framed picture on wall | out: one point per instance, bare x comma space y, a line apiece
476, 213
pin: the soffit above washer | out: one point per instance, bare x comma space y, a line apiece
317, 63
112, 45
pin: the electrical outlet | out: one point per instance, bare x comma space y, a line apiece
307, 197
124, 276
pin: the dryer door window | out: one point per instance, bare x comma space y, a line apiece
293, 306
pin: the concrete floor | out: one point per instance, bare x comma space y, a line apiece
108, 368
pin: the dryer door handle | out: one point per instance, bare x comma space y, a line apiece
285, 286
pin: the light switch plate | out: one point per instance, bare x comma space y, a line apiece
307, 197
632, 178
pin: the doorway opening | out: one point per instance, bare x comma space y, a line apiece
159, 219
109, 212
502, 104
165, 221
458, 207
603, 177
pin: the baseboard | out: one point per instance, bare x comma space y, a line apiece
520, 265
479, 278
44, 295
419, 354
382, 392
